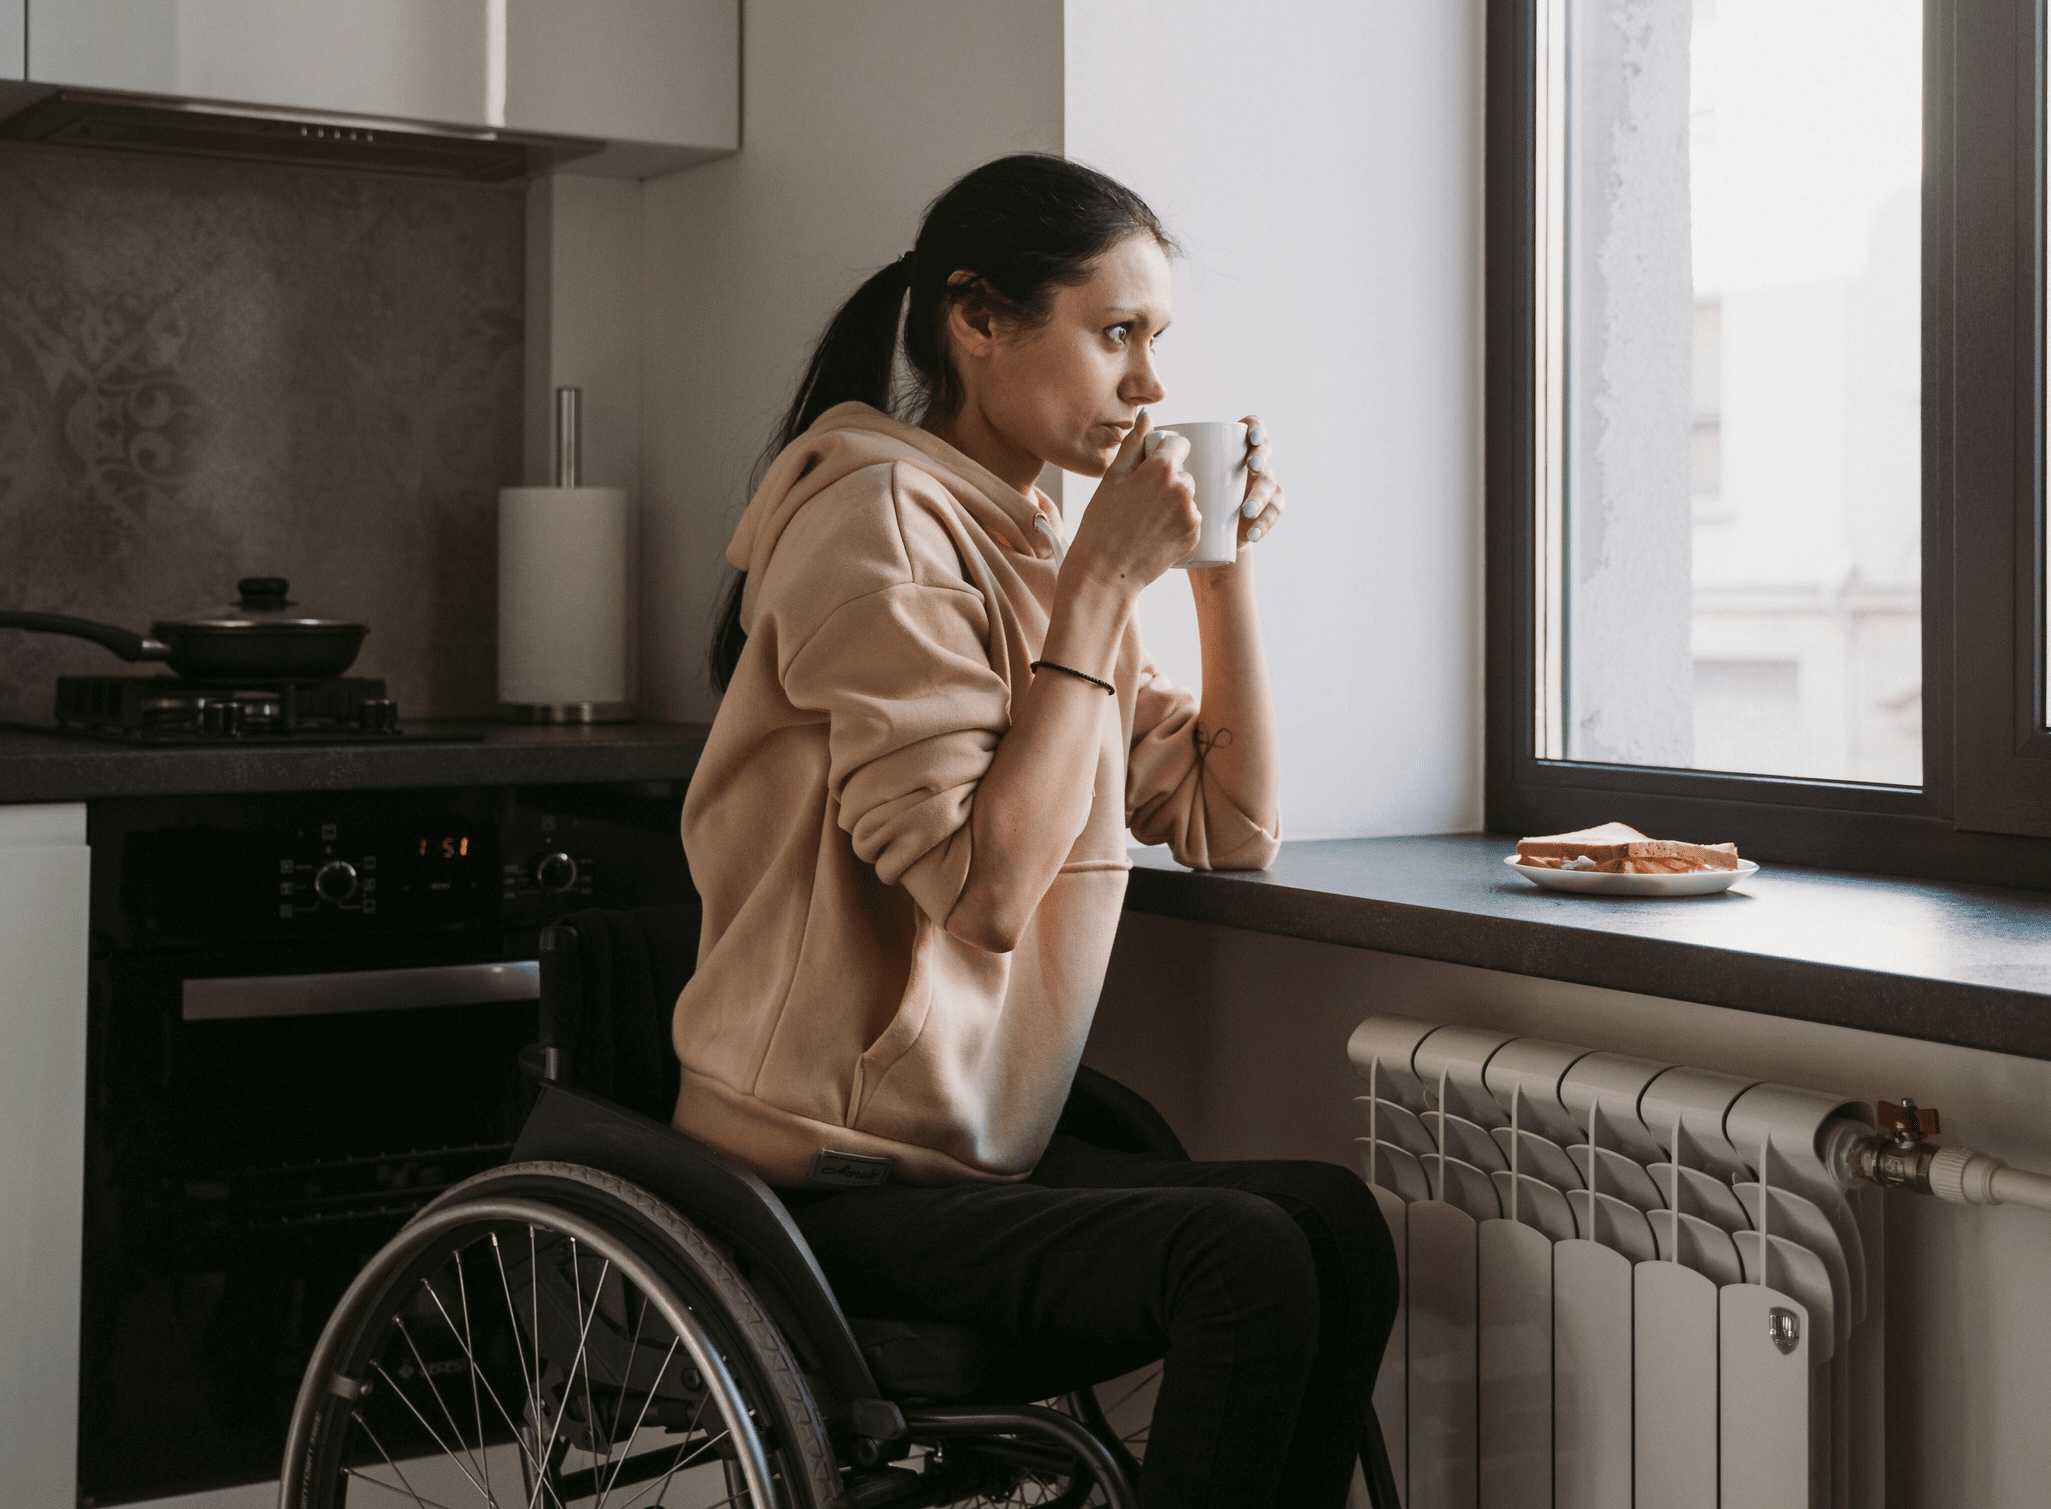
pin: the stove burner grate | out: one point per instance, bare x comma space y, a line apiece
170, 709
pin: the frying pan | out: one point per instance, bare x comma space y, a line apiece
258, 638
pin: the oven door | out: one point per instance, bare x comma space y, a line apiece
254, 1139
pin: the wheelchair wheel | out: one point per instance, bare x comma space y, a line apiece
544, 1336
1121, 1415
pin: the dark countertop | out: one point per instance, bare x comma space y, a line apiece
38, 767
1946, 962
1962, 964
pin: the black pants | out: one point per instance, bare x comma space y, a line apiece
1269, 1288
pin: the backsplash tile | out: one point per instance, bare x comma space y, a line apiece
210, 371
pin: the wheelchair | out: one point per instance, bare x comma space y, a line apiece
623, 1316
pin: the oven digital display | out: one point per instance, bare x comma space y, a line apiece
457, 847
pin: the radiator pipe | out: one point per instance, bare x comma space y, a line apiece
1900, 1158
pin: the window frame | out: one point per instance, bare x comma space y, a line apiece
1983, 812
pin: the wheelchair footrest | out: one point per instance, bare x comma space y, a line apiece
886, 1485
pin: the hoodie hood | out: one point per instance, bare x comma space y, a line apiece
852, 436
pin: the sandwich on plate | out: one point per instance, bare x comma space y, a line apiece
1619, 849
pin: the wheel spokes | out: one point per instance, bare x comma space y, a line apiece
405, 1487
470, 1355
455, 1430
477, 1375
590, 1414
576, 1362
433, 1434
584, 1441
642, 1418
513, 1322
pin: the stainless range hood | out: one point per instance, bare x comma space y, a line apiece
480, 90
134, 123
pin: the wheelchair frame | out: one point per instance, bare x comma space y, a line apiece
757, 1240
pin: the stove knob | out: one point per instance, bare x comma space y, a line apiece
556, 872
335, 880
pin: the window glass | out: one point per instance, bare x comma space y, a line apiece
1735, 228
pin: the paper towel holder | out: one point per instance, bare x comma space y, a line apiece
568, 479
569, 438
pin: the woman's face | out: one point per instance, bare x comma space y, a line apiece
1067, 391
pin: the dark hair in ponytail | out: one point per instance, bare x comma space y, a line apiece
1021, 227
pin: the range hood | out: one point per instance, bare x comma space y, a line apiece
455, 89
140, 123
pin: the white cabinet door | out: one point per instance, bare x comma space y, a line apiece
410, 59
664, 72
42, 1145
13, 39
659, 71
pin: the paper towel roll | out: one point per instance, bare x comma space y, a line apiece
563, 604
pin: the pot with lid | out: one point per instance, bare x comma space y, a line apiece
263, 636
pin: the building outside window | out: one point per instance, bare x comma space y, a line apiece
1754, 266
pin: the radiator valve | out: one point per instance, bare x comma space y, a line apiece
1900, 1158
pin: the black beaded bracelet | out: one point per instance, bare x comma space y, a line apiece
1069, 670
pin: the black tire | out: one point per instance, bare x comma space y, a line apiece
544, 1296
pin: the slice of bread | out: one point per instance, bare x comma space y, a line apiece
1619, 849
1588, 841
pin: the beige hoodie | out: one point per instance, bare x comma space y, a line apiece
896, 593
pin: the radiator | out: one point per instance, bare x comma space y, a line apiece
1627, 1284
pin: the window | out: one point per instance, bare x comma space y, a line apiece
1765, 427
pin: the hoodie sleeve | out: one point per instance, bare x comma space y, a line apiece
914, 715
1169, 801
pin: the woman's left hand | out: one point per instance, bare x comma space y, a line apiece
1262, 509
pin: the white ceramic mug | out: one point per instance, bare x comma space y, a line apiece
1217, 464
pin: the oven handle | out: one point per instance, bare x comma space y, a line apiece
250, 996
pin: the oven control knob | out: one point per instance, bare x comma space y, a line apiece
556, 872
335, 880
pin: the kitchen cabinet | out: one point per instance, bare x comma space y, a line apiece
660, 79
43, 911
13, 39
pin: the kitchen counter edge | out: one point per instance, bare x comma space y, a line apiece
37, 767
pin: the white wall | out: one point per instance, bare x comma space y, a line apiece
1240, 1039
852, 119
584, 332
1321, 163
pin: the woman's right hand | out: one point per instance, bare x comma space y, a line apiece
1143, 518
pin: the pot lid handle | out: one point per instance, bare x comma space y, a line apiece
263, 593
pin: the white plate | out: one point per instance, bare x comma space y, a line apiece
1604, 883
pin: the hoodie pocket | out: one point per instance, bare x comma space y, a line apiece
978, 1064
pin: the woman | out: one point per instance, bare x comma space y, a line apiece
908, 831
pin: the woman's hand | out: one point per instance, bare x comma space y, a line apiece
1143, 518
1262, 509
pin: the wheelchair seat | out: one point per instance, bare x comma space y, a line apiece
911, 1362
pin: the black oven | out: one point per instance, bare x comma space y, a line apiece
305, 1017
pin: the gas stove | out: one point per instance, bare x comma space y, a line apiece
173, 710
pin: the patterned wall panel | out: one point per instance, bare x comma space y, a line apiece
210, 371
